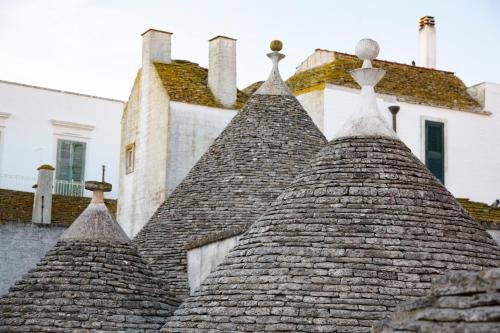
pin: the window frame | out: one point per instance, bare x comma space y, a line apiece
129, 163
85, 159
423, 140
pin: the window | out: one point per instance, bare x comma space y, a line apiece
129, 158
434, 148
70, 167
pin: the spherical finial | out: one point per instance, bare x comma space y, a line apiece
276, 45
367, 49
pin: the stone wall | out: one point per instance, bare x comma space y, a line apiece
22, 245
18, 206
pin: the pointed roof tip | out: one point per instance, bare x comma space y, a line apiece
367, 119
274, 85
96, 222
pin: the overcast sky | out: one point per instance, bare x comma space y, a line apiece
94, 47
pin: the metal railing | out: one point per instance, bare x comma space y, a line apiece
69, 188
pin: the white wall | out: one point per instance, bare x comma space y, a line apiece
495, 234
472, 152
39, 116
192, 129
314, 103
202, 260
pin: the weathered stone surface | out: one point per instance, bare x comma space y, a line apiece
88, 281
247, 166
363, 227
22, 245
459, 302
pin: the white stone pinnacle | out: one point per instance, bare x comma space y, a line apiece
274, 84
367, 120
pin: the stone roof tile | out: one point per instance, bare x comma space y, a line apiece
459, 302
92, 280
256, 156
362, 228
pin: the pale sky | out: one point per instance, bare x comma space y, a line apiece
94, 47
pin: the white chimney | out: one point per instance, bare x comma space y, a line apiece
427, 41
156, 46
222, 69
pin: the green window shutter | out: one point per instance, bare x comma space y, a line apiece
70, 160
63, 171
78, 165
434, 148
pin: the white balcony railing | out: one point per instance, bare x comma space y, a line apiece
69, 188
23, 183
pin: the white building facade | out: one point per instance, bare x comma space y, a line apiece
175, 111
75, 133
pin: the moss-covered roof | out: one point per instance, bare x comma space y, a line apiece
252, 88
412, 84
481, 212
187, 82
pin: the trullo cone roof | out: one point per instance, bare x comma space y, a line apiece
252, 161
93, 280
459, 302
363, 227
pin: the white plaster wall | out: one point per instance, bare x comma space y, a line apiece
29, 138
192, 129
318, 58
146, 125
472, 149
169, 139
202, 260
130, 119
222, 70
313, 102
495, 234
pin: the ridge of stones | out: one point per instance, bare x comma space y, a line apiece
363, 227
249, 164
96, 222
93, 279
458, 302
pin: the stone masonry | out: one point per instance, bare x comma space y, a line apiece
92, 280
459, 302
248, 165
362, 228
22, 245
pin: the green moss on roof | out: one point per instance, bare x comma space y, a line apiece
252, 88
188, 82
418, 85
481, 212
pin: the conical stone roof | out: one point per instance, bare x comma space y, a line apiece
93, 280
459, 302
258, 154
363, 227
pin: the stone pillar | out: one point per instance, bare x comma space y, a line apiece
427, 41
222, 69
156, 47
42, 205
